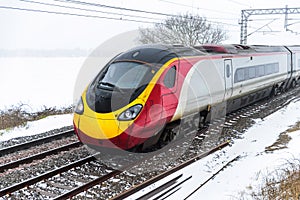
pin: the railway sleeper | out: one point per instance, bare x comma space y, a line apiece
59, 185
43, 192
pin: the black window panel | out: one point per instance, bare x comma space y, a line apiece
269, 69
228, 71
260, 70
239, 75
246, 73
251, 72
170, 77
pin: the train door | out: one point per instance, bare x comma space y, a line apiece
228, 77
169, 96
293, 63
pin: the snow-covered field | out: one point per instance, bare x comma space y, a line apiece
253, 162
38, 81
40, 126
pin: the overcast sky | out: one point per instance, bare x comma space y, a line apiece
24, 29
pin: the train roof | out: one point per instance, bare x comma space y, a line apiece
294, 47
160, 53
239, 49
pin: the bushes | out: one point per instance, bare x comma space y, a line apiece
18, 115
283, 183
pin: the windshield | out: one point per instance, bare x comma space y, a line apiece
125, 75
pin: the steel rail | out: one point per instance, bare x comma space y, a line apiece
163, 187
141, 186
38, 156
31, 181
36, 142
88, 185
213, 176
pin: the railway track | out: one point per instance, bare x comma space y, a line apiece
141, 186
29, 144
171, 185
86, 177
20, 154
37, 156
69, 169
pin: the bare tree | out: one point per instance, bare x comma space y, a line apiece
186, 29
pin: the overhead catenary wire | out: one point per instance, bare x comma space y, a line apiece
73, 14
239, 3
198, 8
133, 10
262, 27
115, 7
102, 17
90, 10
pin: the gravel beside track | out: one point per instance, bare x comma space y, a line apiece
20, 140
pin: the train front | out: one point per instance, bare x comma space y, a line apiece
112, 111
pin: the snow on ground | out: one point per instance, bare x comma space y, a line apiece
36, 127
251, 164
38, 81
254, 161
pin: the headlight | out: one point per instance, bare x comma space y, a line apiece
130, 113
79, 107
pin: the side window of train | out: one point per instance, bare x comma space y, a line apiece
246, 73
170, 77
228, 71
240, 76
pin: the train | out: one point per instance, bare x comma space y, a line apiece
142, 94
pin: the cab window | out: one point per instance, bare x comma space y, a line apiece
170, 77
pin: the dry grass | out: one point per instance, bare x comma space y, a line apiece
296, 127
283, 139
282, 184
18, 116
285, 182
280, 143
